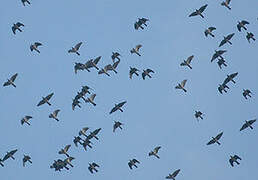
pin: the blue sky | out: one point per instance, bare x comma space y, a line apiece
155, 113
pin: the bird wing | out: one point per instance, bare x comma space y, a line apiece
77, 46
223, 42
113, 110
211, 142
237, 157
203, 8
175, 173
149, 70
230, 36
228, 1
233, 75
226, 80
31, 47
116, 64
189, 59
130, 165
219, 135
19, 24
101, 71
136, 161
215, 55
95, 164
121, 104
56, 112
85, 129
231, 162
183, 64
193, 14
49, 96
220, 52
13, 29
143, 76
13, 151
67, 147
14, 77
156, 149
252, 121
238, 27
28, 117
38, 44
92, 97
97, 60
109, 67
245, 22
183, 83
90, 169
138, 47
96, 131
212, 28
244, 126
41, 102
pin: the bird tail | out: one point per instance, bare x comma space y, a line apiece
137, 74
212, 35
30, 161
77, 53
201, 15
37, 50
230, 42
48, 103
218, 142
233, 81
184, 90
138, 54
13, 85
251, 127
121, 110
115, 71
12, 157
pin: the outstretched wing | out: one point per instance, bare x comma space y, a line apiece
149, 70
189, 59
38, 44
67, 147
95, 164
97, 60
90, 169
239, 27
96, 131
237, 157
143, 76
252, 121
121, 104
244, 126
56, 112
176, 173
231, 162
183, 83
156, 149
211, 142
14, 77
245, 22
113, 110
138, 47
41, 102
116, 64
19, 24
230, 36
233, 75
109, 67
222, 42
203, 8
136, 161
92, 97
49, 96
130, 165
193, 14
77, 46
212, 28
219, 135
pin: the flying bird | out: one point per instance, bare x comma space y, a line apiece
234, 159
78, 66
45, 100
136, 50
250, 36
217, 54
91, 99
138, 25
92, 167
246, 92
26, 120
241, 24
155, 152
92, 63
198, 114
133, 71
199, 11
11, 81
69, 161
25, 159
116, 125
112, 67
187, 62
230, 78
226, 4
54, 114
75, 49
216, 139
25, 1
65, 150
132, 163
173, 175
226, 39
221, 61
248, 124
209, 31
35, 46
117, 107
182, 85
10, 155
143, 21
115, 55
17, 26
147, 73
223, 87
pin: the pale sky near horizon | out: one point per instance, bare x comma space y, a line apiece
156, 114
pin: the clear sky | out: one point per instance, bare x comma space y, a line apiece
155, 113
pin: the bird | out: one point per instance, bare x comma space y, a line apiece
216, 139
209, 31
217, 54
85, 89
223, 87
133, 71
230, 78
94, 134
250, 36
54, 114
75, 49
83, 131
112, 67
155, 152
234, 159
11, 80
76, 140
136, 50
187, 62
132, 163
248, 124
92, 167
226, 4
226, 39
173, 175
147, 73
92, 63
143, 21
241, 24
221, 61
137, 25
26, 120
78, 66
25, 159
45, 100
246, 92
198, 114
68, 161
25, 1
115, 55
91, 99
116, 125
86, 143
75, 103
182, 85
65, 150
35, 46
17, 26
199, 11
117, 107
10, 155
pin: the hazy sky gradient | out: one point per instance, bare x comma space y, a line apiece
155, 113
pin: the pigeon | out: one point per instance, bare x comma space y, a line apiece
45, 100
226, 4
92, 166
10, 155
246, 92
116, 125
83, 131
155, 152
91, 99
198, 114
199, 11
26, 120
136, 50
65, 150
250, 36
75, 49
248, 124
35, 46
132, 163
173, 175
147, 73
54, 114
221, 61
25, 1
187, 62
115, 55
11, 81
182, 85
216, 139
133, 71
226, 39
217, 54
241, 24
17, 26
222, 88
25, 159
117, 107
234, 159
92, 63
209, 31
230, 78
